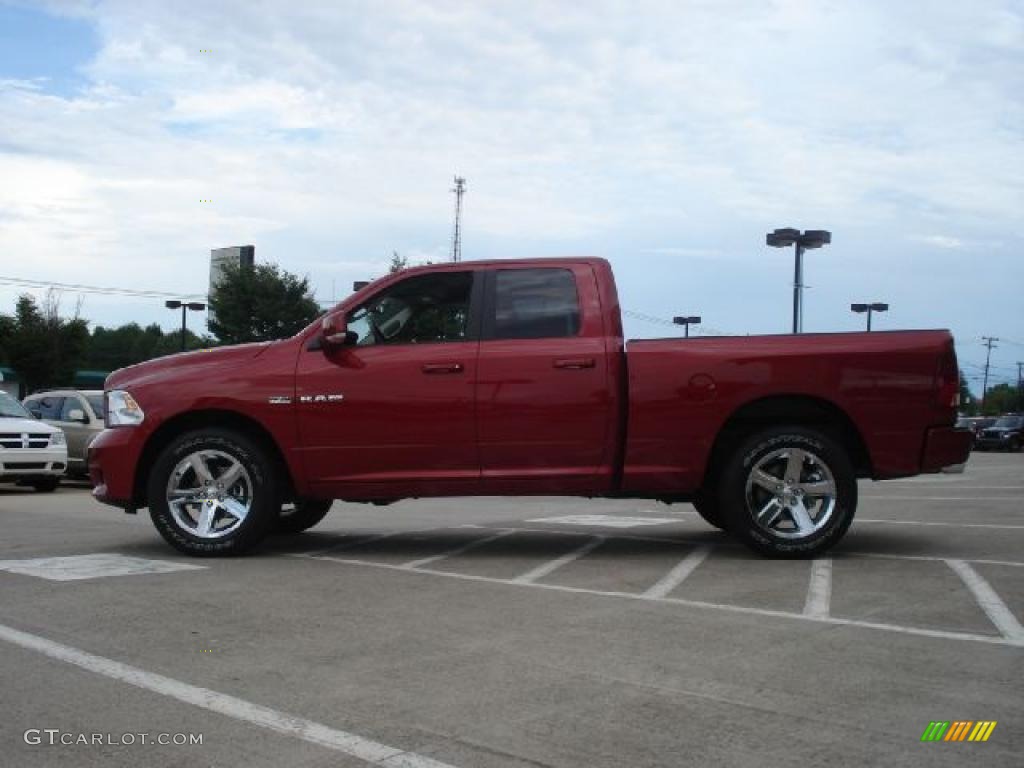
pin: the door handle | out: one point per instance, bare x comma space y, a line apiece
575, 363
442, 367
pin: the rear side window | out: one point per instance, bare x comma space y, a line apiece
71, 404
45, 407
535, 304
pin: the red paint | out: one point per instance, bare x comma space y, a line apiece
570, 415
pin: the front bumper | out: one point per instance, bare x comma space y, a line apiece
112, 460
993, 443
17, 463
944, 447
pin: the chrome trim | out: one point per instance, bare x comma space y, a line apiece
791, 493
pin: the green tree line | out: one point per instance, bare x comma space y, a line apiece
45, 349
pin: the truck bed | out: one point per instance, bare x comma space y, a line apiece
682, 392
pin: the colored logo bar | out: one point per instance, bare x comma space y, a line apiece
958, 730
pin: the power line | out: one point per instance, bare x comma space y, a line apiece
702, 329
107, 291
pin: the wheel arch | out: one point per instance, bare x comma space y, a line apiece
207, 417
798, 410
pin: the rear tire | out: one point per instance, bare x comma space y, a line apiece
46, 484
213, 492
788, 492
301, 515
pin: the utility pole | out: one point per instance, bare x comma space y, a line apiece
1020, 387
989, 341
459, 189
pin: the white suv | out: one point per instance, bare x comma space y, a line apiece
31, 452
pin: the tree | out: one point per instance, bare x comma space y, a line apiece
398, 263
968, 402
260, 303
43, 348
1000, 399
112, 348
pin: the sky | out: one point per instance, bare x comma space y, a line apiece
668, 137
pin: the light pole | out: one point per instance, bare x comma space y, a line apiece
686, 322
195, 306
811, 238
869, 308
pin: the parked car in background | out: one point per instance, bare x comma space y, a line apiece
31, 453
1005, 434
975, 424
78, 413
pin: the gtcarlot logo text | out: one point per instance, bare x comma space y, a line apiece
55, 737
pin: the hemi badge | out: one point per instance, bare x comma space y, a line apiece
279, 400
321, 398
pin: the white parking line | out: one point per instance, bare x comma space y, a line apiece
989, 601
959, 487
351, 744
678, 574
819, 589
937, 523
356, 540
931, 558
457, 550
551, 566
975, 499
920, 631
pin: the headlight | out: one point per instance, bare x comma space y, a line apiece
122, 410
57, 438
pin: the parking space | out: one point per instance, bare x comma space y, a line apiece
561, 632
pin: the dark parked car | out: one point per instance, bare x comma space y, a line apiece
1006, 434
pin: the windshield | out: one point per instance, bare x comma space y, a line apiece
11, 408
1008, 422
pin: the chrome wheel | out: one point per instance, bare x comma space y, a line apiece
791, 493
209, 494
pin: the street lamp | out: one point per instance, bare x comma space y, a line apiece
687, 322
811, 238
195, 306
869, 308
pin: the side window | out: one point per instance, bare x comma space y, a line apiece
71, 404
46, 407
535, 304
425, 309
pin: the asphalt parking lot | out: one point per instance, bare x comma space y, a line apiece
519, 632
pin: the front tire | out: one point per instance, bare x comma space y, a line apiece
213, 492
302, 515
707, 507
46, 484
788, 492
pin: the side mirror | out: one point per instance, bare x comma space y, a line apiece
334, 331
77, 414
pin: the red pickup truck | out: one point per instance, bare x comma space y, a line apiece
513, 378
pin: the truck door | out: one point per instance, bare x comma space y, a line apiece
392, 414
544, 400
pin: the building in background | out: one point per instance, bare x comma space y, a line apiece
242, 255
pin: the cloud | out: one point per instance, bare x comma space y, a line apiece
654, 133
939, 241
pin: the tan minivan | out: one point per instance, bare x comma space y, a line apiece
79, 414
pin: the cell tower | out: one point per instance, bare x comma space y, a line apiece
459, 189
